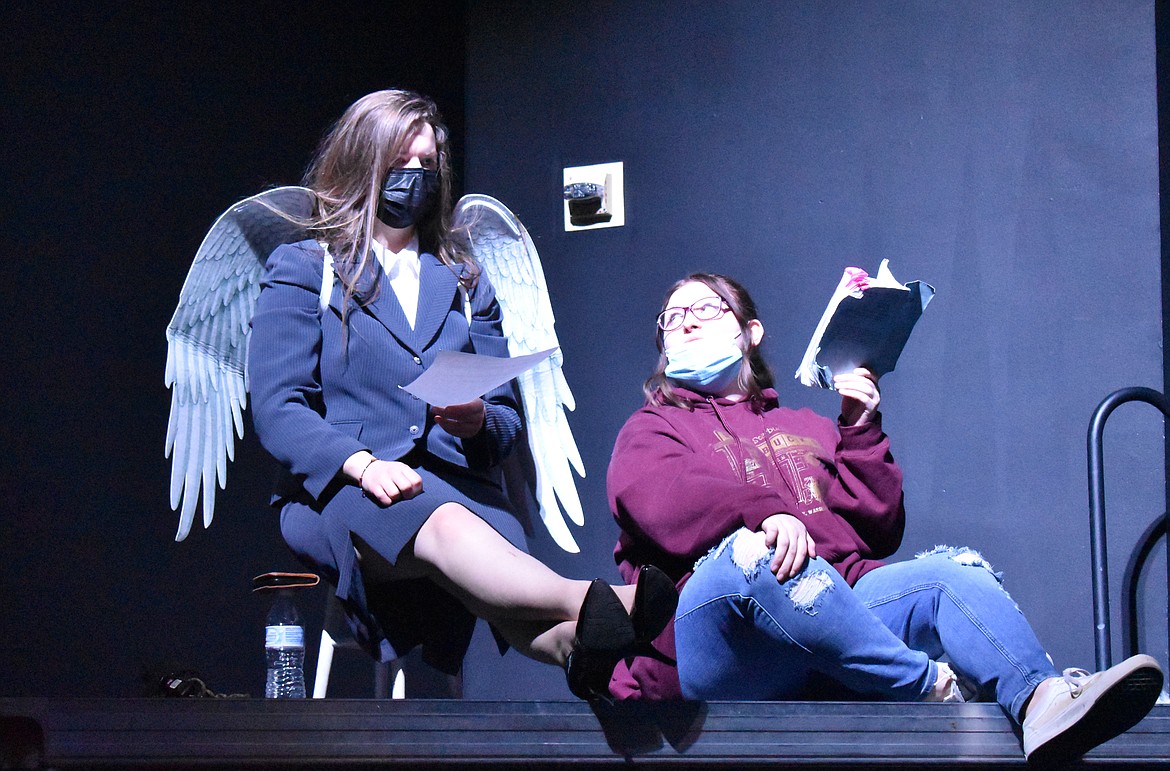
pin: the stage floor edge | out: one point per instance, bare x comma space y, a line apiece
95, 733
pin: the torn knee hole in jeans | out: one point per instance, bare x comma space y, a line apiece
807, 589
748, 551
963, 555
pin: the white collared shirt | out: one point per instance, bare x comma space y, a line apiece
402, 268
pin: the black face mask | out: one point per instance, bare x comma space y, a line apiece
407, 196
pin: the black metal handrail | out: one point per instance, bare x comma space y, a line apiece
1130, 631
1100, 558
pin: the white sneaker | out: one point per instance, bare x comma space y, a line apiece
946, 687
1071, 715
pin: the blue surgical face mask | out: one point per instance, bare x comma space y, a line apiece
705, 365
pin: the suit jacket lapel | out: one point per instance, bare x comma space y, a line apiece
437, 286
386, 309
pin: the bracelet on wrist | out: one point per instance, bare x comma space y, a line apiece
362, 476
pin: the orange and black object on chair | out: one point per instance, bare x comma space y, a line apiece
271, 581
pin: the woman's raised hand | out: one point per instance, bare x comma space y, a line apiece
794, 546
860, 396
461, 420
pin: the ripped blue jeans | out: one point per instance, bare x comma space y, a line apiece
740, 634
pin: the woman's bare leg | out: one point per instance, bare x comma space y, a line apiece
549, 644
494, 579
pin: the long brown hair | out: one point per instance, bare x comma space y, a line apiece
754, 374
347, 174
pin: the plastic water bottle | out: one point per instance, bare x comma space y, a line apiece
284, 647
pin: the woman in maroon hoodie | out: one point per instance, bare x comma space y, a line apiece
774, 521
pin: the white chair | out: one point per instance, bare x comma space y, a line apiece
389, 679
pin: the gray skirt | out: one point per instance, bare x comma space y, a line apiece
392, 618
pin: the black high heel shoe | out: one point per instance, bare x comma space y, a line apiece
606, 634
655, 601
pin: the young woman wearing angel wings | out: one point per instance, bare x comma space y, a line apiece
399, 503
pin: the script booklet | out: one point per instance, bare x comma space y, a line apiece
867, 324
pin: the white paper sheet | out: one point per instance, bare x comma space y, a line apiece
457, 378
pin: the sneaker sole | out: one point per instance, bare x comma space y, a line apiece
1117, 710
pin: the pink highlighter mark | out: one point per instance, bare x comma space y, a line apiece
858, 279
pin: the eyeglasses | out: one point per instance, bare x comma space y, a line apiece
705, 309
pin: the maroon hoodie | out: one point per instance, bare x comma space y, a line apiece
681, 481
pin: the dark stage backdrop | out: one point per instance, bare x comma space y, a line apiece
1004, 152
129, 127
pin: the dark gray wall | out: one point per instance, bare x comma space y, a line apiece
127, 129
1004, 152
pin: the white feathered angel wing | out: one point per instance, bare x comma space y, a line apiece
504, 249
207, 343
